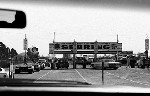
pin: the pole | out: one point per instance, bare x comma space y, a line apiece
146, 49
9, 62
74, 65
9, 67
74, 53
95, 51
12, 71
53, 63
102, 73
25, 51
117, 47
54, 44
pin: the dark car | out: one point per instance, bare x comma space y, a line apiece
42, 63
36, 66
62, 63
47, 63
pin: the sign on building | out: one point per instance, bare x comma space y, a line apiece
101, 46
86, 46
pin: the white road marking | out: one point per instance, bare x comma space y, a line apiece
83, 77
139, 82
43, 76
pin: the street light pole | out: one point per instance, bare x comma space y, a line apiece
74, 53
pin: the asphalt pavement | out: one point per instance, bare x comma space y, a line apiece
134, 77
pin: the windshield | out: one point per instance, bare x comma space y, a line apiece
78, 31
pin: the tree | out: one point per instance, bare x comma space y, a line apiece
13, 53
2, 50
7, 52
33, 53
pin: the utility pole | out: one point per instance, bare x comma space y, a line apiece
146, 51
54, 45
117, 47
95, 50
146, 46
53, 57
74, 53
25, 52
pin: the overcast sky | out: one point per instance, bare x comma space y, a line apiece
82, 23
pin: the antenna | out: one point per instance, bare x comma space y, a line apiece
117, 38
54, 38
147, 36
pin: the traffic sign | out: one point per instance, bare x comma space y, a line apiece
146, 44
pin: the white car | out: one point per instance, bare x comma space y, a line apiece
108, 63
4, 73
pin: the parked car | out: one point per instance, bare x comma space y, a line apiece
47, 63
36, 66
80, 60
24, 68
42, 63
123, 61
108, 63
4, 73
62, 63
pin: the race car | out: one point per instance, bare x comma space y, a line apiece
108, 63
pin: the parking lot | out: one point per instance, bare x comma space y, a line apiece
123, 76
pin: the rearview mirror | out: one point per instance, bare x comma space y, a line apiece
12, 19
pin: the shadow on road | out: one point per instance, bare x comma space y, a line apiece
40, 83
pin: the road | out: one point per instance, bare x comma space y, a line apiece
123, 76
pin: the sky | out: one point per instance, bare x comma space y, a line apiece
80, 23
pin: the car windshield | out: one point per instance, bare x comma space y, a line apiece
76, 31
